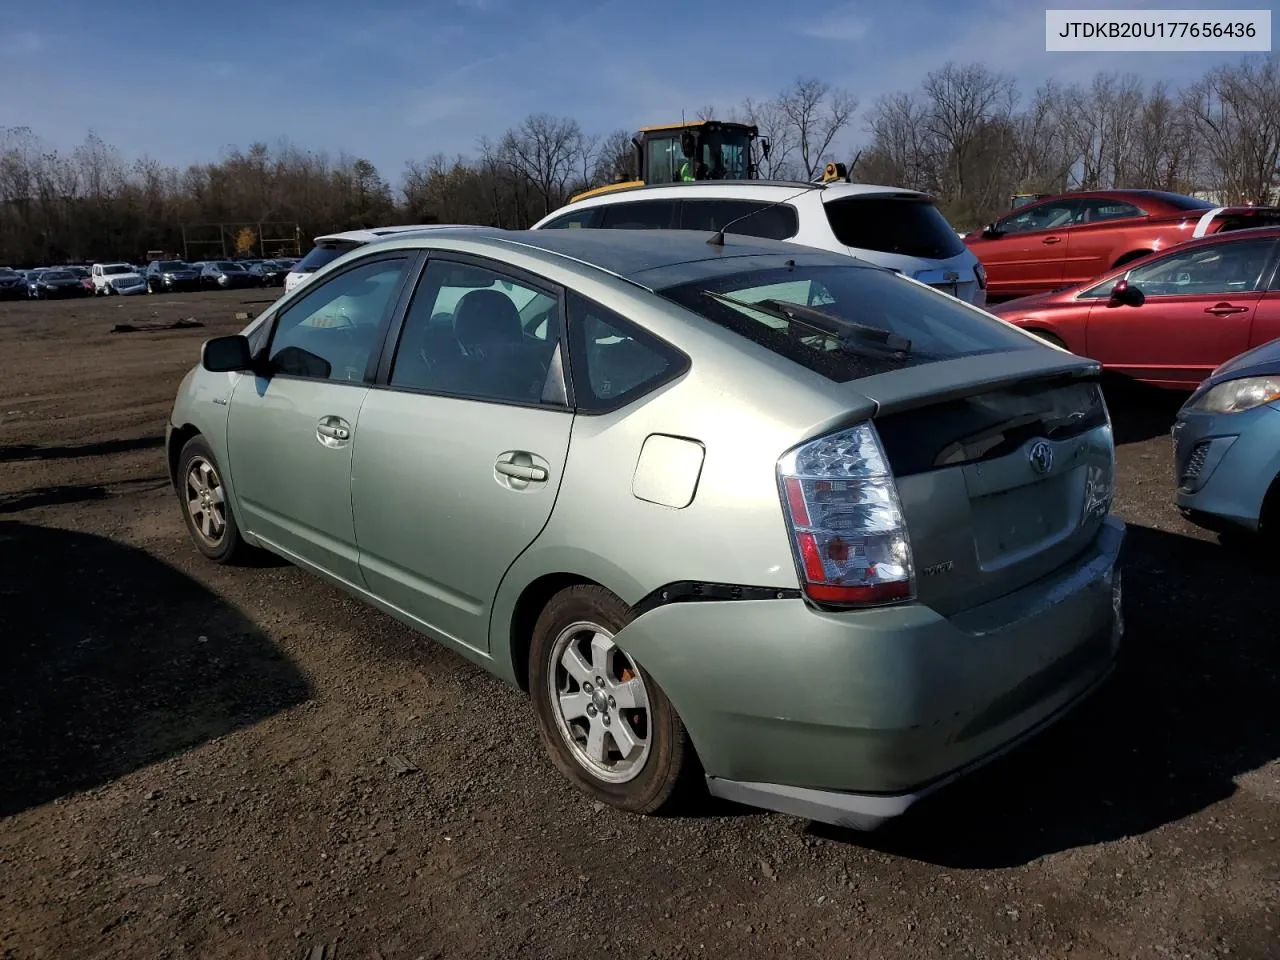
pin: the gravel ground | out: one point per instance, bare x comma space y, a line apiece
200, 761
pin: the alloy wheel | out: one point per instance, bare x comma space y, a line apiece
205, 501
600, 704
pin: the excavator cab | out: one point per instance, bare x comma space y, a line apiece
702, 150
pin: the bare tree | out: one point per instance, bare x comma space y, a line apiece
770, 120
1236, 111
543, 150
615, 159
816, 114
963, 102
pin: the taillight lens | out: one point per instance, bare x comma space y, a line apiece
980, 272
847, 529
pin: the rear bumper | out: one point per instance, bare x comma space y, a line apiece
851, 718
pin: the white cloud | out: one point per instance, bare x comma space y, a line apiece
840, 25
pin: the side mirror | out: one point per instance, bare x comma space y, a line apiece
227, 354
1124, 295
764, 147
688, 144
991, 232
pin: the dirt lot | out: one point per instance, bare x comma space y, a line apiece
199, 761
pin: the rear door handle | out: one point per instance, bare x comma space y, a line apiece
1225, 309
528, 472
1051, 240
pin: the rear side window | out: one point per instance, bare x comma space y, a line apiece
613, 361
842, 313
913, 228
323, 254
573, 221
639, 215
773, 222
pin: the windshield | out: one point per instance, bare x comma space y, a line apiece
112, 269
230, 267
57, 275
907, 226
725, 154
6, 272
937, 326
173, 265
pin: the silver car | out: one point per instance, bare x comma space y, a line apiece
726, 508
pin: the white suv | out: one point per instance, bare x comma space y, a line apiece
119, 278
333, 245
888, 226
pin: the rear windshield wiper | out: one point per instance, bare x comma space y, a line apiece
853, 337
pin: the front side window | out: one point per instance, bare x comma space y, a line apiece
331, 332
849, 322
1218, 270
1053, 215
754, 218
615, 362
473, 332
638, 215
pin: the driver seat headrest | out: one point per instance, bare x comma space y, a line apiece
485, 316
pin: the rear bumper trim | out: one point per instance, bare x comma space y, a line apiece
869, 811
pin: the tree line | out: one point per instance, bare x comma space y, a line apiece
967, 135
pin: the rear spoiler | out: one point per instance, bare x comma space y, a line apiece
1221, 219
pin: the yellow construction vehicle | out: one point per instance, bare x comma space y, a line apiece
701, 150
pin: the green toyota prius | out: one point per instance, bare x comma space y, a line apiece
724, 507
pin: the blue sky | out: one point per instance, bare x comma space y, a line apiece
392, 80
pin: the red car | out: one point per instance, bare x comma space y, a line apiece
1077, 236
1170, 318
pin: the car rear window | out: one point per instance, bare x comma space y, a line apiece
904, 225
938, 326
1179, 200
323, 254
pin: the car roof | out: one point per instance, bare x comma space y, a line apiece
377, 233
645, 257
745, 190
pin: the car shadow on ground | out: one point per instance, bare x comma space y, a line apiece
111, 660
1139, 412
29, 451
1191, 706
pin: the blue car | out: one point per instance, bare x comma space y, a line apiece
1227, 446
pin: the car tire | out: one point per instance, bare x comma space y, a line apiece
584, 619
212, 525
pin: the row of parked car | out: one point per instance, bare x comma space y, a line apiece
126, 279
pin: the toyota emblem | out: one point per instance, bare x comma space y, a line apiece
1041, 456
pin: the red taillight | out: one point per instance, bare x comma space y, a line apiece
846, 523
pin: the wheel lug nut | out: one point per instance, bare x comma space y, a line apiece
612, 703
586, 688
599, 681
604, 717
591, 710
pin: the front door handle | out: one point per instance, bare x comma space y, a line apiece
333, 431
1051, 240
529, 472
1225, 309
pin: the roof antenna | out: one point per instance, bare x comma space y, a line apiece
717, 238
